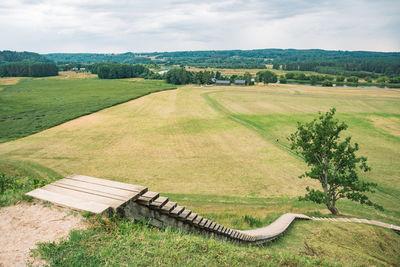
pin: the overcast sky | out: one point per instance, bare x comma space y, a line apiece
109, 26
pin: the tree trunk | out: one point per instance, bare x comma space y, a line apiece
333, 210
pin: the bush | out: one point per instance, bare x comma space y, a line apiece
179, 76
352, 79
282, 80
327, 83
13, 189
340, 78
119, 71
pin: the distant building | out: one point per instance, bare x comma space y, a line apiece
240, 82
222, 82
162, 72
74, 69
82, 69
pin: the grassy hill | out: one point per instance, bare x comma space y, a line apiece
215, 150
33, 105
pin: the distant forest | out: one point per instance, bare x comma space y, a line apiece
348, 63
89, 58
27, 64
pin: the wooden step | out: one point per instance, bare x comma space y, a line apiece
197, 220
177, 211
191, 217
67, 201
168, 207
147, 198
159, 202
184, 214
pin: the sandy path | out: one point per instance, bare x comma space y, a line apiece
25, 224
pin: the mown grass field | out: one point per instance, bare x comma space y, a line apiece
222, 152
35, 104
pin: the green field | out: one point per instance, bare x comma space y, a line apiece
35, 104
222, 152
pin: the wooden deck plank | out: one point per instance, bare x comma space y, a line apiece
114, 203
67, 201
94, 192
119, 185
100, 188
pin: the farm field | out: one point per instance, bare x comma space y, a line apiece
222, 151
35, 104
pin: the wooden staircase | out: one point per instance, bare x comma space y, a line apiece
137, 203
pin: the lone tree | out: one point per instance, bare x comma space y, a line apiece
332, 162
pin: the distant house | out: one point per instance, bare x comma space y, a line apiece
82, 69
222, 82
74, 69
162, 72
240, 82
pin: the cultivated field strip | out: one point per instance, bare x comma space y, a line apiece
137, 203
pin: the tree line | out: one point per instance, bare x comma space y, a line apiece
7, 56
182, 76
359, 68
28, 69
120, 71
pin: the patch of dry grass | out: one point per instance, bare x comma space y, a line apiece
8, 81
75, 75
388, 124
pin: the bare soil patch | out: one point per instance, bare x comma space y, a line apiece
25, 224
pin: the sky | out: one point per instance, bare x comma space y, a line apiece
116, 26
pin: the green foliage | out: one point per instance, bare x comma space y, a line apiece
352, 79
28, 69
282, 80
90, 58
179, 76
289, 75
332, 161
368, 79
276, 66
394, 79
34, 105
7, 56
383, 79
247, 77
119, 71
203, 77
327, 83
117, 242
12, 188
266, 77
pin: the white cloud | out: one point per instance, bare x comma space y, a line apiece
119, 26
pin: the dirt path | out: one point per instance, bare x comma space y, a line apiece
25, 224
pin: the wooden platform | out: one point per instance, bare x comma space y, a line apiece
88, 193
